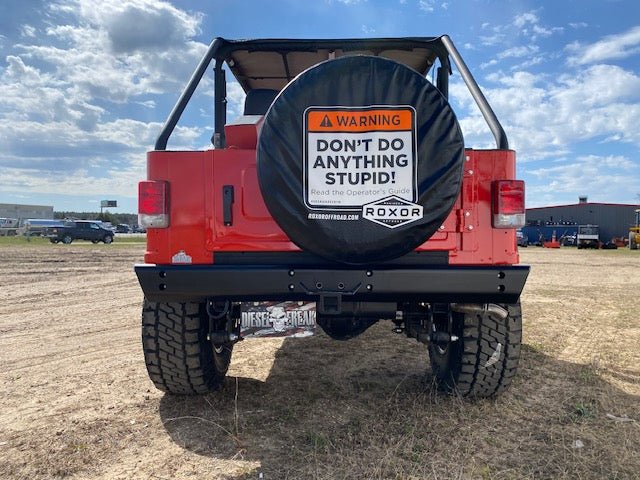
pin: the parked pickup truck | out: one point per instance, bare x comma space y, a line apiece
79, 230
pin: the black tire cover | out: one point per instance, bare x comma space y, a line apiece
369, 100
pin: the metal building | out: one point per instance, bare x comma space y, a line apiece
613, 219
22, 212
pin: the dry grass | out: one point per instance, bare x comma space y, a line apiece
314, 408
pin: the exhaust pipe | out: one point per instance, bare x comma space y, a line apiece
491, 308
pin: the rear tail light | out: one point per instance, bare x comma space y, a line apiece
153, 204
508, 204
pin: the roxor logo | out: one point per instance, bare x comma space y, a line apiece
392, 212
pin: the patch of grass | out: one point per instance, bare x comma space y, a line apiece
318, 441
589, 373
44, 242
22, 240
584, 409
130, 239
534, 347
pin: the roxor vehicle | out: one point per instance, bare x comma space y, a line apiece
79, 230
344, 195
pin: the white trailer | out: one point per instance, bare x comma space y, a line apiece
9, 227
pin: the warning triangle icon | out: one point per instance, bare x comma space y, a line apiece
326, 122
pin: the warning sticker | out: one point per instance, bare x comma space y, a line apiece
357, 155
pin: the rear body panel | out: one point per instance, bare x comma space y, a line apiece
197, 210
222, 241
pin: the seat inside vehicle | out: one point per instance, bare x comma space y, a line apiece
259, 100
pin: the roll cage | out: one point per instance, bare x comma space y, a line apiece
272, 63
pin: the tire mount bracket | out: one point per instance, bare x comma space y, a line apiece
224, 322
434, 323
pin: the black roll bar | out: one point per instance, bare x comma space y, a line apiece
220, 47
487, 112
176, 113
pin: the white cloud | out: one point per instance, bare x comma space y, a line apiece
601, 177
368, 30
524, 51
543, 116
426, 5
57, 94
612, 47
537, 60
492, 40
235, 99
27, 31
65, 160
147, 104
26, 93
141, 25
490, 63
528, 18
529, 26
117, 50
517, 52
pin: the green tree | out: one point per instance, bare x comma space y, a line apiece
107, 217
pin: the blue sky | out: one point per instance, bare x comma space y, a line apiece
86, 84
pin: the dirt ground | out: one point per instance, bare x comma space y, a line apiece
75, 400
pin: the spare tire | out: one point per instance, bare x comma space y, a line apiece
360, 159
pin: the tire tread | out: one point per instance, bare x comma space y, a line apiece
178, 356
464, 372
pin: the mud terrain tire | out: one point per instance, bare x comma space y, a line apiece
484, 359
178, 356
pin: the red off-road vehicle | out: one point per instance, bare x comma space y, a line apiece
342, 196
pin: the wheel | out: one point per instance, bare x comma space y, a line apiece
107, 239
54, 240
484, 359
394, 187
178, 356
67, 239
94, 241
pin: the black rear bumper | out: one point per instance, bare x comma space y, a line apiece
446, 284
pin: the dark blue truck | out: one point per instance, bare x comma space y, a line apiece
90, 230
